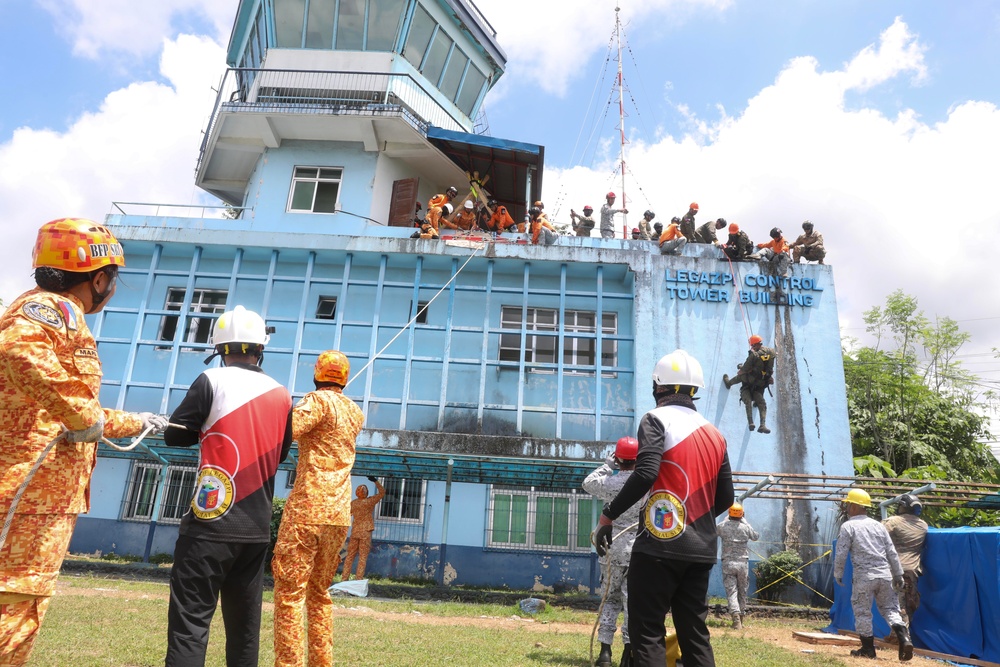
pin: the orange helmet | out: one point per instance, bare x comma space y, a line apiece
76, 245
332, 366
694, 206
754, 339
734, 228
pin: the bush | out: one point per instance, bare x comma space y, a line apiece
121, 558
774, 574
161, 559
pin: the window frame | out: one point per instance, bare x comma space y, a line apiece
316, 180
198, 326
546, 321
322, 300
577, 526
398, 519
144, 485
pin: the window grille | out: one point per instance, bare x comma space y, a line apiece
540, 519
144, 483
198, 328
578, 351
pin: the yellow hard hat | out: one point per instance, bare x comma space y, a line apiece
736, 511
76, 245
858, 497
332, 366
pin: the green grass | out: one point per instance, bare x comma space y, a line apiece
123, 623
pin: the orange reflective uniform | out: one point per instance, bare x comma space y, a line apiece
670, 232
314, 526
500, 221
50, 376
537, 225
434, 209
778, 245
363, 516
465, 219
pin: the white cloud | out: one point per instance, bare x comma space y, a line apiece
140, 145
132, 27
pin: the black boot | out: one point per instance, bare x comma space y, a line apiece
604, 659
867, 649
905, 645
626, 656
762, 413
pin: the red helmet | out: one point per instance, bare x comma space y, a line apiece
588, 207
734, 228
754, 339
610, 195
627, 449
694, 206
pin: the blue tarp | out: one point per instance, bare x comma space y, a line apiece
959, 610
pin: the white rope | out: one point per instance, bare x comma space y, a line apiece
410, 323
38, 464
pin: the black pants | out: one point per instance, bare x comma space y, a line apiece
201, 571
659, 585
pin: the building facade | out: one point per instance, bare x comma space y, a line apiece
494, 374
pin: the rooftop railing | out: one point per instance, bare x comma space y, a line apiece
330, 93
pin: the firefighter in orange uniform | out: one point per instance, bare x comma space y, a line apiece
437, 203
362, 525
50, 379
317, 516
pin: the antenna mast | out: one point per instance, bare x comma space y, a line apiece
621, 115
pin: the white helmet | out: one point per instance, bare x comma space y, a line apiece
240, 326
678, 368
468, 204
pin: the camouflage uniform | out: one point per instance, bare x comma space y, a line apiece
604, 485
875, 565
314, 526
735, 569
50, 376
687, 226
362, 525
809, 246
608, 222
738, 246
756, 373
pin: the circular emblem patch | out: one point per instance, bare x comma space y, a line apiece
664, 515
214, 494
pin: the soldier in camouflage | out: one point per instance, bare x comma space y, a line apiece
735, 532
604, 484
756, 374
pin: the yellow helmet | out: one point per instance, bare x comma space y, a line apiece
736, 511
77, 245
332, 366
858, 497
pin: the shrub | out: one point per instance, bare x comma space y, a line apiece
121, 558
774, 573
161, 559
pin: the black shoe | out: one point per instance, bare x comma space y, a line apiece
751, 427
905, 645
867, 649
626, 657
604, 659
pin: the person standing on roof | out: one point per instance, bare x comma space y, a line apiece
671, 241
756, 374
809, 245
317, 515
582, 224
775, 251
688, 223
362, 526
877, 574
607, 216
682, 470
243, 421
706, 232
50, 382
645, 230
604, 484
735, 532
908, 533
738, 246
435, 207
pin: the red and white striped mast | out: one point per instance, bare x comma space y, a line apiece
621, 117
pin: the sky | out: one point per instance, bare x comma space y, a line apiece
877, 121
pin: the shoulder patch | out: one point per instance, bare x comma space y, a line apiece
43, 314
68, 314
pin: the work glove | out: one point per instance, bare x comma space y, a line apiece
897, 584
611, 462
602, 536
840, 581
157, 422
91, 434
371, 479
